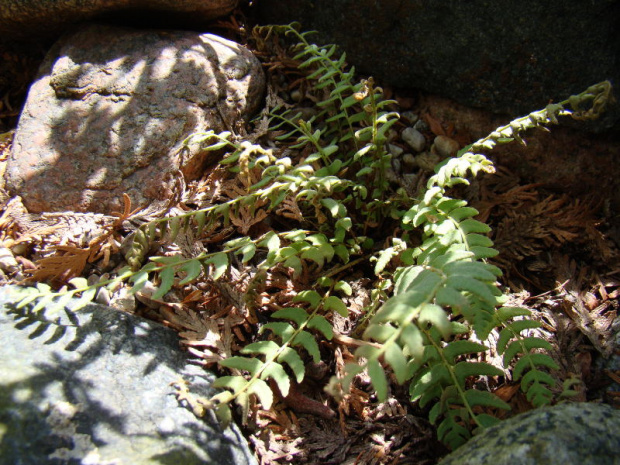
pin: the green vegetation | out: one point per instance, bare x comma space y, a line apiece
435, 299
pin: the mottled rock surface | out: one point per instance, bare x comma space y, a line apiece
580, 434
99, 393
511, 56
27, 18
110, 110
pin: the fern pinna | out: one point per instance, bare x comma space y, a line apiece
445, 303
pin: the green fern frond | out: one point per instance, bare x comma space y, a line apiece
512, 344
292, 337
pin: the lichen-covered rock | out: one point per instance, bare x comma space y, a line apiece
28, 18
111, 108
566, 434
97, 391
509, 56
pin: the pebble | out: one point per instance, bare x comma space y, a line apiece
410, 116
296, 95
414, 139
395, 150
427, 161
7, 261
445, 146
409, 161
396, 165
123, 300
421, 125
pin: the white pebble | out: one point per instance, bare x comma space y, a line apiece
395, 150
444, 146
414, 139
7, 261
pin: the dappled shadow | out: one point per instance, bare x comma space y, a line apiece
106, 120
115, 371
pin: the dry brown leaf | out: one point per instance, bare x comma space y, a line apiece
246, 217
69, 262
434, 124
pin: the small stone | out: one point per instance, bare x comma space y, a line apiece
395, 150
396, 165
103, 296
409, 161
123, 300
427, 161
421, 125
414, 139
410, 116
7, 261
145, 294
296, 95
445, 146
20, 248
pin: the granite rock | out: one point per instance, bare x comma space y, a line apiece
512, 56
111, 108
579, 433
46, 18
98, 392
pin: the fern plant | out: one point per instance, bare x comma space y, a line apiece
448, 290
444, 291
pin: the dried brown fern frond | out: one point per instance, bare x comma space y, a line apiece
531, 226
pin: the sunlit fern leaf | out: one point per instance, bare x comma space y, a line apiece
294, 361
311, 297
378, 379
321, 324
251, 365
284, 330
336, 304
461, 347
296, 314
264, 393
166, 277
192, 270
395, 358
276, 372
523, 346
307, 341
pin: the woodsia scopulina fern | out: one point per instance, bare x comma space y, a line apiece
436, 297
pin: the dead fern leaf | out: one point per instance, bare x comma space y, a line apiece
289, 208
246, 217
69, 262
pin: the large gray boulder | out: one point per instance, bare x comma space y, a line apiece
110, 110
509, 56
98, 392
566, 434
46, 18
